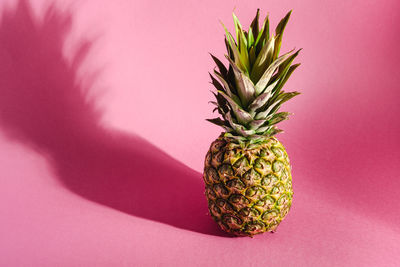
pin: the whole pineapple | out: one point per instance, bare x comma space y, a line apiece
247, 173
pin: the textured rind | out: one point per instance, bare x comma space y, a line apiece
248, 186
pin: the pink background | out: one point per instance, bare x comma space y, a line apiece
103, 134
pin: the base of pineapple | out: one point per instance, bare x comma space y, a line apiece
248, 186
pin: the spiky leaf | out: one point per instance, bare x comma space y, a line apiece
263, 60
250, 38
254, 24
218, 121
221, 67
226, 88
238, 127
263, 35
285, 77
254, 125
242, 116
222, 103
262, 99
278, 117
252, 55
264, 114
245, 86
279, 33
284, 67
240, 35
270, 71
273, 131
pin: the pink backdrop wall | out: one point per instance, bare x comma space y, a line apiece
103, 134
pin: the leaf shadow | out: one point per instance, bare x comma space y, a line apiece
44, 105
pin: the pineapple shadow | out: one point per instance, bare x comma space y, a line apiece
43, 106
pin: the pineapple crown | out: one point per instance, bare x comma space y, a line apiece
249, 92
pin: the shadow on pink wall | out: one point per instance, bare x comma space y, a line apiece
44, 106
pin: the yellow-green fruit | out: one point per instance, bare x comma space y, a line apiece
248, 186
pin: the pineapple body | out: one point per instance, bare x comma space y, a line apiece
248, 186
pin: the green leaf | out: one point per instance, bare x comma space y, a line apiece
241, 45
252, 55
270, 88
227, 88
262, 129
244, 85
289, 61
244, 56
265, 78
220, 65
222, 103
220, 110
281, 75
283, 70
222, 123
263, 35
233, 50
240, 60
264, 114
238, 138
228, 35
240, 129
216, 84
239, 32
283, 97
242, 116
218, 121
262, 99
285, 77
278, 117
263, 60
250, 38
229, 49
254, 24
254, 125
273, 131
213, 102
279, 33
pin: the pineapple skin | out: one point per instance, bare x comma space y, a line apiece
248, 186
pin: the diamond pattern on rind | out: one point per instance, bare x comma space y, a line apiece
262, 172
224, 205
225, 172
248, 213
207, 160
242, 165
255, 192
217, 158
269, 180
232, 221
211, 176
277, 166
210, 193
235, 185
217, 145
254, 228
221, 190
278, 152
251, 177
262, 166
238, 201
270, 216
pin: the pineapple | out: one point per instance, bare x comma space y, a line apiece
247, 174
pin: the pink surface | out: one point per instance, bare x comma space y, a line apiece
102, 134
